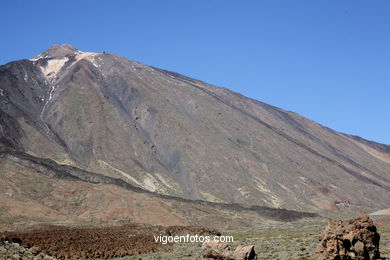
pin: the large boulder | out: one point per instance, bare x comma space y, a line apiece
349, 240
216, 250
244, 252
221, 251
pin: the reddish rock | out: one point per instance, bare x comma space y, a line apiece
244, 252
215, 250
349, 240
221, 251
35, 250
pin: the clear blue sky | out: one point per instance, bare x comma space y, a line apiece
328, 60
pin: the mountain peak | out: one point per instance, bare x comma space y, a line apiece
62, 47
56, 51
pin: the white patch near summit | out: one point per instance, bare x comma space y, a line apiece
90, 56
81, 55
53, 67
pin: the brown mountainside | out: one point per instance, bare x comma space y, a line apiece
170, 134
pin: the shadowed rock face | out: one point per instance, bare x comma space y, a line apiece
171, 134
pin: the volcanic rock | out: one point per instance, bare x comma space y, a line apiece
219, 250
216, 250
349, 240
174, 135
244, 252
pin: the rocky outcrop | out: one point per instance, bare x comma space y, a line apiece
10, 250
215, 250
219, 250
244, 252
348, 240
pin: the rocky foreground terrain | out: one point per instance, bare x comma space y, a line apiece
92, 242
14, 251
271, 240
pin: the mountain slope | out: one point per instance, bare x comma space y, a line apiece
171, 134
36, 190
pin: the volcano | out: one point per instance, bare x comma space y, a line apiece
101, 118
